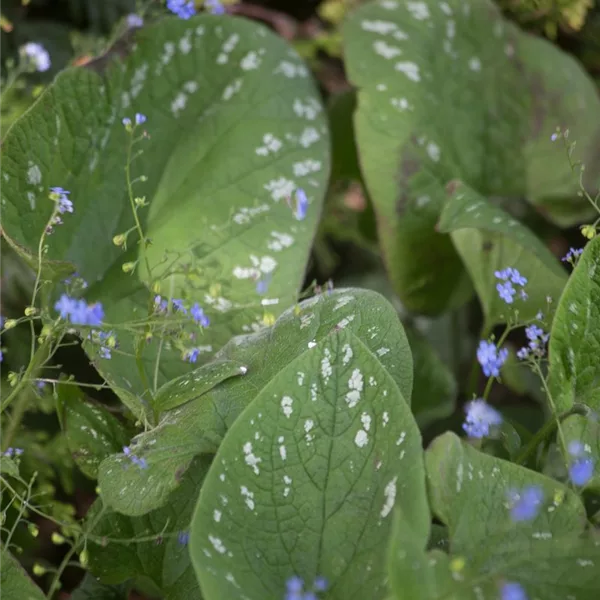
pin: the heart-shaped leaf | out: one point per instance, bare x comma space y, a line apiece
451, 90
305, 481
234, 126
14, 580
199, 425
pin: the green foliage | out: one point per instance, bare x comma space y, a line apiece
428, 114
14, 580
327, 447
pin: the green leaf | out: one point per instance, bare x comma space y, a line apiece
8, 467
15, 582
436, 102
306, 479
199, 381
199, 425
488, 239
151, 548
435, 388
207, 85
574, 371
91, 589
92, 433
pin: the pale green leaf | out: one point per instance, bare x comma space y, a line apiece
14, 581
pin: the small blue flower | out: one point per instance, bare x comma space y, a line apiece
491, 359
301, 205
192, 355
294, 584
140, 462
511, 590
182, 8
198, 315
183, 537
105, 352
36, 55
160, 304
480, 417
262, 285
510, 277
126, 121
525, 505
214, 7
10, 452
320, 584
576, 448
134, 21
178, 305
64, 306
581, 471
140, 118
59, 195
572, 255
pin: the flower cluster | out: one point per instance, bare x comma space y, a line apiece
582, 466
572, 255
161, 305
490, 358
79, 312
511, 590
184, 9
139, 119
36, 56
63, 205
480, 418
509, 278
106, 340
13, 452
134, 21
136, 460
537, 340
295, 588
525, 505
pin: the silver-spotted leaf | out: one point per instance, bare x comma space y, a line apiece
451, 90
306, 479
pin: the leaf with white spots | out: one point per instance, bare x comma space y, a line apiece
452, 90
306, 486
235, 125
194, 384
199, 425
574, 371
92, 433
162, 556
488, 240
550, 556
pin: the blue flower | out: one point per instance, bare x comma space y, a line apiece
36, 55
127, 122
160, 304
581, 471
480, 417
320, 584
183, 537
140, 462
59, 195
134, 21
78, 312
10, 452
491, 359
511, 590
510, 277
525, 505
262, 285
178, 304
192, 355
182, 8
301, 205
215, 7
198, 315
572, 255
140, 118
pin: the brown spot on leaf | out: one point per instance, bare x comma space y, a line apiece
452, 186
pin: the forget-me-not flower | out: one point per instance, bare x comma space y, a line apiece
480, 418
184, 9
36, 55
525, 504
512, 590
490, 358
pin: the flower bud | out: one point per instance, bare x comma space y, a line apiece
10, 323
588, 231
128, 267
33, 530
38, 570
57, 539
119, 239
30, 311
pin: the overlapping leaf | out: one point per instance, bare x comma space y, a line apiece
199, 425
488, 240
437, 102
234, 126
305, 482
15, 582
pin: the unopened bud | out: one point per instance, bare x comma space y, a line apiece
9, 323
588, 231
33, 530
30, 311
119, 239
38, 570
128, 267
57, 539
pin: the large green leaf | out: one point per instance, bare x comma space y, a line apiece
574, 371
450, 90
14, 581
199, 425
235, 125
92, 433
162, 556
306, 479
487, 239
550, 556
